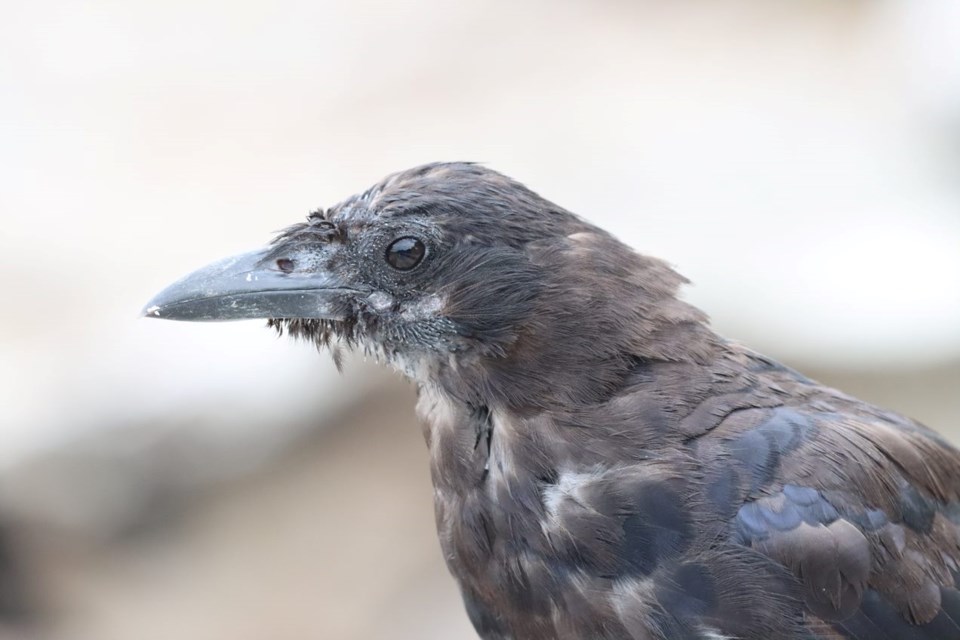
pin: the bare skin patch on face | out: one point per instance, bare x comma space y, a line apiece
429, 306
381, 301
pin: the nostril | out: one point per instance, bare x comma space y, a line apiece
285, 265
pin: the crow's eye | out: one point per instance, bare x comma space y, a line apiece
405, 253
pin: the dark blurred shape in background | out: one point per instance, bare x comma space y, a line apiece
798, 161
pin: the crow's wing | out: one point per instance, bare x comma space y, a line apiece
861, 505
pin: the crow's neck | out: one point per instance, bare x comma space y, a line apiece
537, 377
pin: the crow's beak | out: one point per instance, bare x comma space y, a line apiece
251, 285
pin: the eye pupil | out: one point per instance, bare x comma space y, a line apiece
405, 253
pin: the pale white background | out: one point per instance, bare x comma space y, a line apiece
800, 162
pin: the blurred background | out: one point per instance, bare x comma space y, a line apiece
799, 161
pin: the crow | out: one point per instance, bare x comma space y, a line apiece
605, 466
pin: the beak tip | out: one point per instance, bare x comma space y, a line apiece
150, 311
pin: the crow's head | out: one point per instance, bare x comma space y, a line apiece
452, 269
